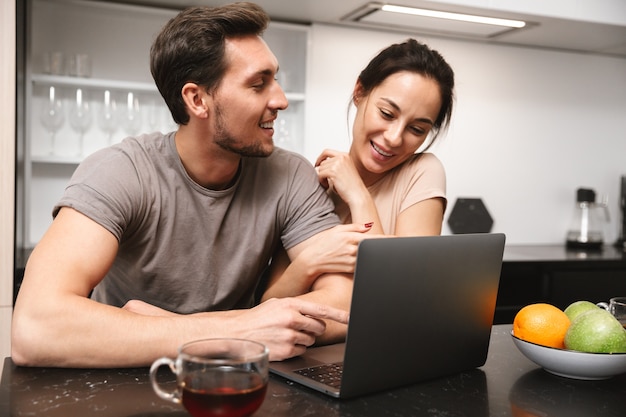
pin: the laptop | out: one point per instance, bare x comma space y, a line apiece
422, 308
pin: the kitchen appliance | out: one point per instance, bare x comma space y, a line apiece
586, 230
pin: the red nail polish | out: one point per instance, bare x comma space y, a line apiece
370, 224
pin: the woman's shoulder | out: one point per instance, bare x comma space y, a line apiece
421, 163
426, 158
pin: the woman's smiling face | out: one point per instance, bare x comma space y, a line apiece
392, 122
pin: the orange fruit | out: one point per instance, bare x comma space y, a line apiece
541, 323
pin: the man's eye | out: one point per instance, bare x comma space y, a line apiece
260, 84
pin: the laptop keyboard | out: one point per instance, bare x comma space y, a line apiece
329, 374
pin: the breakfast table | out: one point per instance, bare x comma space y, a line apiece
508, 384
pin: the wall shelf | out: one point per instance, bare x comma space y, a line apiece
92, 83
56, 159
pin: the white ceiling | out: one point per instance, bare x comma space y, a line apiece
544, 32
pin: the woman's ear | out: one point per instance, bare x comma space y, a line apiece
357, 93
196, 100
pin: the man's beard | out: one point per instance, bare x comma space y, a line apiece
226, 141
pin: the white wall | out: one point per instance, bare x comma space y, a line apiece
7, 173
530, 126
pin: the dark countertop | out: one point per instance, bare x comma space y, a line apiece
506, 384
544, 255
559, 253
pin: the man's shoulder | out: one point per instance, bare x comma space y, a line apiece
283, 160
146, 149
133, 157
282, 155
148, 142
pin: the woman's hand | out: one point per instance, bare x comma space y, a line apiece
336, 171
334, 250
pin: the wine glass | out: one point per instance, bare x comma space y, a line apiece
52, 116
153, 117
282, 132
132, 121
107, 117
168, 120
80, 118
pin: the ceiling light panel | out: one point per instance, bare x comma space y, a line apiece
376, 14
454, 16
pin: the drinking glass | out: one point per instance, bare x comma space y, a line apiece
53, 63
107, 117
217, 377
52, 116
617, 307
79, 65
80, 118
132, 120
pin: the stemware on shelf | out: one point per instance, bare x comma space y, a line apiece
153, 119
132, 120
52, 116
107, 117
168, 120
80, 118
283, 131
159, 118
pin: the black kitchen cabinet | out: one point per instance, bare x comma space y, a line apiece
556, 275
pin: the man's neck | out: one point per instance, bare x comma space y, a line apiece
206, 163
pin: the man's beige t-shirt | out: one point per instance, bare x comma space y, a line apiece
184, 247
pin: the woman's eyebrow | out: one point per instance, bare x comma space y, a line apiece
396, 107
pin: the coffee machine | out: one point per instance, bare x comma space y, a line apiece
621, 240
586, 230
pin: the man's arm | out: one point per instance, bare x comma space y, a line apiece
331, 251
327, 253
333, 290
56, 324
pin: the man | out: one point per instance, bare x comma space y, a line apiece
169, 233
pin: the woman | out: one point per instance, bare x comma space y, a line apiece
403, 101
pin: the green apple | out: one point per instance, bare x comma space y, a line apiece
577, 308
596, 331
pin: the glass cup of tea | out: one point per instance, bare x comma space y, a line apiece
217, 377
617, 307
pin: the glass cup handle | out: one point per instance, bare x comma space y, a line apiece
603, 305
169, 396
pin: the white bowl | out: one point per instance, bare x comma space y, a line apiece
573, 364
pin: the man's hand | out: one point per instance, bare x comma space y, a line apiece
286, 326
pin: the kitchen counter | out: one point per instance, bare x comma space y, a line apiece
608, 254
507, 385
